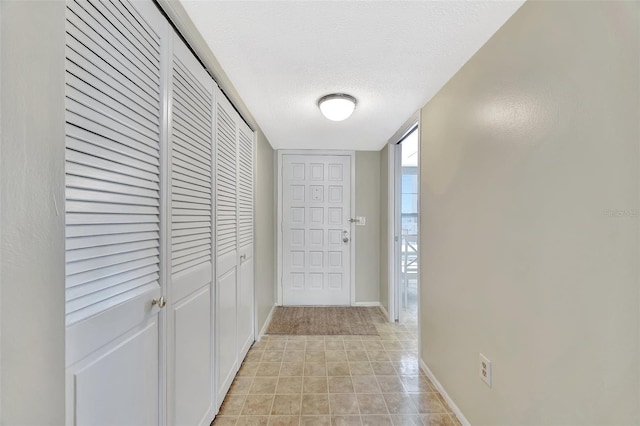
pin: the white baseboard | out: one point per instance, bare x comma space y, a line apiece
445, 395
384, 311
266, 323
366, 304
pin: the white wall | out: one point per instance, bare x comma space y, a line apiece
32, 213
525, 153
367, 237
265, 230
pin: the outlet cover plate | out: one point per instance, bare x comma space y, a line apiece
485, 369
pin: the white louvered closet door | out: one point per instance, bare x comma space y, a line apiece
227, 120
190, 293
114, 140
245, 306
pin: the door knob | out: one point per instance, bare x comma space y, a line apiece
161, 302
243, 258
345, 236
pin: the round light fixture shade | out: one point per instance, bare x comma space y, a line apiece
337, 106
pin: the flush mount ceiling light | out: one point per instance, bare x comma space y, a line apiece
337, 106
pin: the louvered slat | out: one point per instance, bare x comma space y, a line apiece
112, 157
198, 93
109, 230
245, 186
105, 30
191, 187
76, 292
131, 40
85, 68
226, 196
190, 226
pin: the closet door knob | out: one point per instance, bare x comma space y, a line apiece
161, 302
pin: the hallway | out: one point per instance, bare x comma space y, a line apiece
335, 380
175, 172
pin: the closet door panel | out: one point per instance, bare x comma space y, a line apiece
245, 306
114, 139
193, 373
190, 292
101, 398
226, 338
227, 361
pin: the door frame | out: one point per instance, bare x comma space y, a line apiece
394, 220
393, 226
279, 230
397, 217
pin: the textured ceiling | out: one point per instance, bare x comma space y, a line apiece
393, 56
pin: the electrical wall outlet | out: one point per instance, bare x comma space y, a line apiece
485, 370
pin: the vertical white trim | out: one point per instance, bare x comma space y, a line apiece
419, 260
278, 172
276, 280
166, 85
456, 410
391, 231
214, 277
352, 232
2, 142
256, 333
397, 227
352, 254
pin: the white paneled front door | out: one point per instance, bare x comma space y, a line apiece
316, 231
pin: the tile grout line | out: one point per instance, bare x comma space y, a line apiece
395, 349
244, 401
326, 367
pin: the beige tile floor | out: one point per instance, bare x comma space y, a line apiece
335, 380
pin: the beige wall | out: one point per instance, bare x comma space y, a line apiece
265, 231
524, 154
32, 344
384, 228
367, 237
